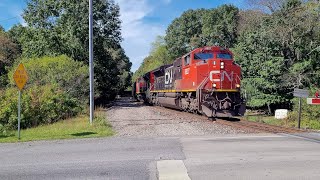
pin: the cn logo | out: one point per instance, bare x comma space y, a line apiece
225, 74
168, 77
222, 74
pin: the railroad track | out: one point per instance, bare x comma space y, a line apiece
244, 124
241, 123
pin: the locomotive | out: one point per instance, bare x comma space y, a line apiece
205, 80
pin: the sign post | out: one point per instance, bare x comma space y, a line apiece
301, 93
299, 119
20, 76
19, 114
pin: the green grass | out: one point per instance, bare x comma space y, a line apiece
305, 124
265, 119
78, 127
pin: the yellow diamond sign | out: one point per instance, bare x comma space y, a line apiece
20, 76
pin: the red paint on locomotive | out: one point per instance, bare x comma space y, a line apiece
205, 80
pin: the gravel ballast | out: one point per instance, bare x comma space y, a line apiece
136, 119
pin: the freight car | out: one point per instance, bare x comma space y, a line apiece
205, 80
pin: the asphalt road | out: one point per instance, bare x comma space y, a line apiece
200, 157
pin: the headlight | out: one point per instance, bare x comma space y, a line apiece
222, 63
214, 85
222, 67
238, 85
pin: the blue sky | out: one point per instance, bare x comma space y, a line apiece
142, 20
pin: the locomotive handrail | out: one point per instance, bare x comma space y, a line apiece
198, 94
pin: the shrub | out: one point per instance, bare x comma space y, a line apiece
310, 114
71, 76
56, 89
40, 105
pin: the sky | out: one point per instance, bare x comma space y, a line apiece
142, 20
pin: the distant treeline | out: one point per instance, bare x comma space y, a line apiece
277, 45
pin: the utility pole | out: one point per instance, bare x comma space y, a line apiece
91, 62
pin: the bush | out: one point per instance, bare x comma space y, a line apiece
310, 114
57, 89
40, 105
71, 76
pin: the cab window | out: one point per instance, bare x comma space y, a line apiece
187, 60
203, 56
224, 56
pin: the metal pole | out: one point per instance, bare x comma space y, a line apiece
19, 111
299, 120
91, 62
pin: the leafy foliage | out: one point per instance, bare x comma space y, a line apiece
220, 26
71, 76
40, 105
61, 27
182, 30
56, 89
159, 55
202, 27
9, 51
280, 54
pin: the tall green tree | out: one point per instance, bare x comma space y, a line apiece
220, 26
195, 28
61, 27
280, 54
9, 51
183, 30
159, 55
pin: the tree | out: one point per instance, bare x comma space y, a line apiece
61, 27
263, 70
196, 28
159, 55
180, 32
271, 5
250, 20
220, 25
279, 53
9, 51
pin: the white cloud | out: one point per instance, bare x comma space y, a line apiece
137, 34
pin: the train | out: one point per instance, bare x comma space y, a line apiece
205, 81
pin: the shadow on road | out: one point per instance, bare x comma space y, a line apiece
232, 119
128, 102
83, 134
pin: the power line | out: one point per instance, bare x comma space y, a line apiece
15, 17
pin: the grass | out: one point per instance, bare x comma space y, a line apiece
265, 119
305, 124
78, 127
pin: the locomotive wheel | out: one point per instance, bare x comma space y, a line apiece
212, 118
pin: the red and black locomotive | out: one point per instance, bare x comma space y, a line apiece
206, 81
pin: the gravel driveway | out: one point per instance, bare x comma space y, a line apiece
130, 118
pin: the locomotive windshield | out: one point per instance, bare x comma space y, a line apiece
224, 56
203, 56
